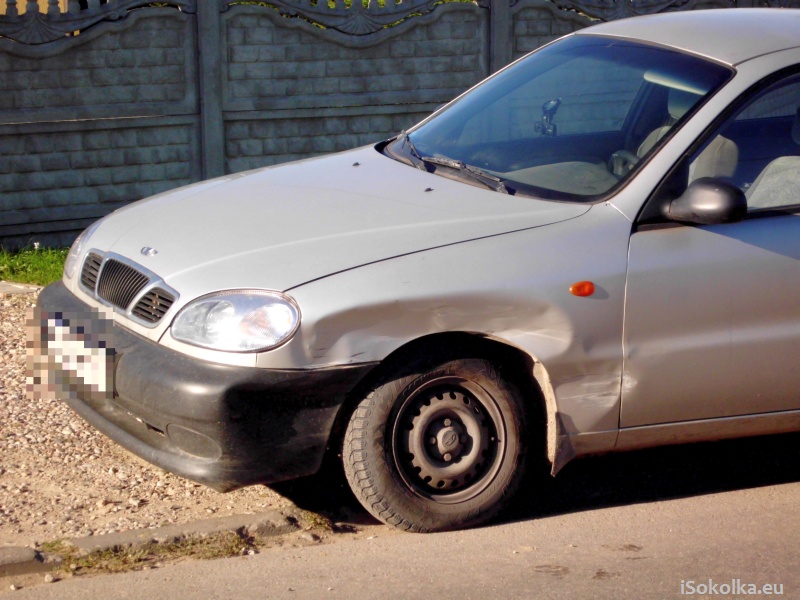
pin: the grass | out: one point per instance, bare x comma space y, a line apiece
150, 555
39, 266
316, 521
118, 560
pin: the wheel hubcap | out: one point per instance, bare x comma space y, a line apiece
448, 443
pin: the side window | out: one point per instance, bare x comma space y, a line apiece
758, 149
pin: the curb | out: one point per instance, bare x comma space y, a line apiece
18, 560
7, 287
265, 524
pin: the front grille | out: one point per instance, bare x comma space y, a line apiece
122, 284
153, 305
89, 272
119, 283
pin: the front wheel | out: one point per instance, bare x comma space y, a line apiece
439, 448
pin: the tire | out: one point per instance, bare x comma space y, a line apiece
437, 448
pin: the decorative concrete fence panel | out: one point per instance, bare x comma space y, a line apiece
91, 122
292, 89
42, 6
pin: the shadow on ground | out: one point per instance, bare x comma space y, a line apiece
602, 481
661, 474
327, 494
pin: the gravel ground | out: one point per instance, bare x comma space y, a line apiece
59, 478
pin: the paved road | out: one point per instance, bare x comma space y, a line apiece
632, 526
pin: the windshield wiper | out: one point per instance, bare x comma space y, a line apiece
474, 173
491, 181
413, 154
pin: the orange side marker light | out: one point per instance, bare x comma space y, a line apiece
582, 288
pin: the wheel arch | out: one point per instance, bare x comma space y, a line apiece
522, 369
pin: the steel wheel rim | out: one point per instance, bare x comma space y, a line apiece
448, 440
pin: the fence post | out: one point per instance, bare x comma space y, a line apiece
212, 126
500, 38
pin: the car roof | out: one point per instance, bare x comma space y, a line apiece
730, 36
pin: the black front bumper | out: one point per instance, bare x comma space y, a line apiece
219, 425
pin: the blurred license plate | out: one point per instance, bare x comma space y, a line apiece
71, 355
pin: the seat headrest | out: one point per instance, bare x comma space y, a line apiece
680, 102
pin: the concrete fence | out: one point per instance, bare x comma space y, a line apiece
42, 6
104, 103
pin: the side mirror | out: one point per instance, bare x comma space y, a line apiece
708, 201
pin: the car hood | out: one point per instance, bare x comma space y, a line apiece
283, 226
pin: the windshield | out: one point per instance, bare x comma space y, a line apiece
570, 122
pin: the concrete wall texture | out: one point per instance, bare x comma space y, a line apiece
144, 99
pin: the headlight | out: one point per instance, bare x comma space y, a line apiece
77, 248
238, 321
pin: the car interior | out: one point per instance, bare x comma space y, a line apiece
766, 161
758, 150
778, 182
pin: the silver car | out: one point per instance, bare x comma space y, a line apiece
596, 249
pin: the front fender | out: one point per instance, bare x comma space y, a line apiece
512, 287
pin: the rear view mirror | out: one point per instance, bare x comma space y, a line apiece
708, 201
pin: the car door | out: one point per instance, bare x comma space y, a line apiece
712, 317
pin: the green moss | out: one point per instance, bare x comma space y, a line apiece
121, 559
